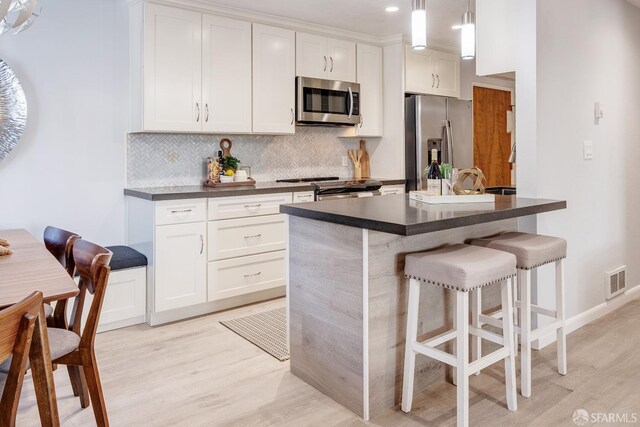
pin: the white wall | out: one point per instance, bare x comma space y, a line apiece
68, 170
595, 58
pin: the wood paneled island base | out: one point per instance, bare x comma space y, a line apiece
347, 301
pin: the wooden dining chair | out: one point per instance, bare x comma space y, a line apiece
60, 243
16, 332
74, 346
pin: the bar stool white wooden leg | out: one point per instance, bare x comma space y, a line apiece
413, 305
509, 338
560, 316
476, 310
516, 311
525, 332
454, 351
462, 356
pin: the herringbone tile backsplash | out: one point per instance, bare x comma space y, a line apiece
158, 160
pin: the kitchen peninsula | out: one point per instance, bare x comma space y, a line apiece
347, 293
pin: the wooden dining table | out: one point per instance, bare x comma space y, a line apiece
32, 268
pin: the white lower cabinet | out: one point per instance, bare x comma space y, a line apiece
180, 265
385, 190
238, 276
246, 236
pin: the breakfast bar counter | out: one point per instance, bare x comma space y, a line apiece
347, 295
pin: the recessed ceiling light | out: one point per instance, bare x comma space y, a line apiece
392, 9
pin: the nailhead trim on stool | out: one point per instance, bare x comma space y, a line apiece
456, 288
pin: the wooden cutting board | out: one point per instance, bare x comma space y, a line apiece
364, 161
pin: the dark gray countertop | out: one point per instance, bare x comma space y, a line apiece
396, 214
198, 191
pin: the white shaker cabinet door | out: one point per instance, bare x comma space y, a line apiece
370, 80
226, 75
342, 60
180, 265
273, 80
172, 69
312, 59
447, 71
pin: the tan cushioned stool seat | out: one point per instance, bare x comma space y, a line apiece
531, 250
460, 267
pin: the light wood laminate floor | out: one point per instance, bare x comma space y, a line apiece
198, 373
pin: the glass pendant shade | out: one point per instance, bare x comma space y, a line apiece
419, 25
468, 36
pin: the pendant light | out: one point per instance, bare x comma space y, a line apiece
419, 25
468, 36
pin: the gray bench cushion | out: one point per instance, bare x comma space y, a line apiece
460, 267
531, 250
125, 257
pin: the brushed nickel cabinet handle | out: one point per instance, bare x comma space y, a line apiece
254, 236
256, 205
292, 116
325, 63
438, 76
206, 111
254, 274
331, 58
201, 244
180, 211
198, 108
361, 120
433, 80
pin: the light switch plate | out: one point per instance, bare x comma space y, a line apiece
587, 150
599, 110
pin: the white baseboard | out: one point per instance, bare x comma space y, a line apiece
584, 318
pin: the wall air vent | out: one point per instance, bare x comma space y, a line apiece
615, 282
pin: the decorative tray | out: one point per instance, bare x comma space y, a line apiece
422, 196
248, 183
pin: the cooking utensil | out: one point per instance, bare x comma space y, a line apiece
225, 145
364, 162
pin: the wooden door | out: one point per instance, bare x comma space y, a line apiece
226, 75
491, 142
274, 69
172, 69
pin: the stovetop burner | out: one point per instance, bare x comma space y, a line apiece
321, 178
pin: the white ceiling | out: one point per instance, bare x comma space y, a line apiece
364, 16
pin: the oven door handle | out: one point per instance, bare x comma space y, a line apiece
350, 102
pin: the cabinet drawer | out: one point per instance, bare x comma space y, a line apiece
238, 276
391, 189
180, 211
246, 236
303, 196
245, 206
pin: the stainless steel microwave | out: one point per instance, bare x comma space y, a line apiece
327, 102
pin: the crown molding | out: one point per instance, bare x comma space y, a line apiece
260, 18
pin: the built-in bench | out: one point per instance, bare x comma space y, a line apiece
125, 300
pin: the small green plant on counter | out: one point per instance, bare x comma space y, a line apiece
231, 162
444, 168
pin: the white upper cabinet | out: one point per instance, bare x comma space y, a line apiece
370, 79
325, 58
273, 80
226, 75
342, 60
172, 69
497, 35
432, 72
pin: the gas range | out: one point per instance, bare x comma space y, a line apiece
332, 187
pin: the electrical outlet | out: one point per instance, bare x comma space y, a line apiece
587, 150
345, 161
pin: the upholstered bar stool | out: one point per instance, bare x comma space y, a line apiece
463, 269
531, 251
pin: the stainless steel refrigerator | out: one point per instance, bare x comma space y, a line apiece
436, 122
